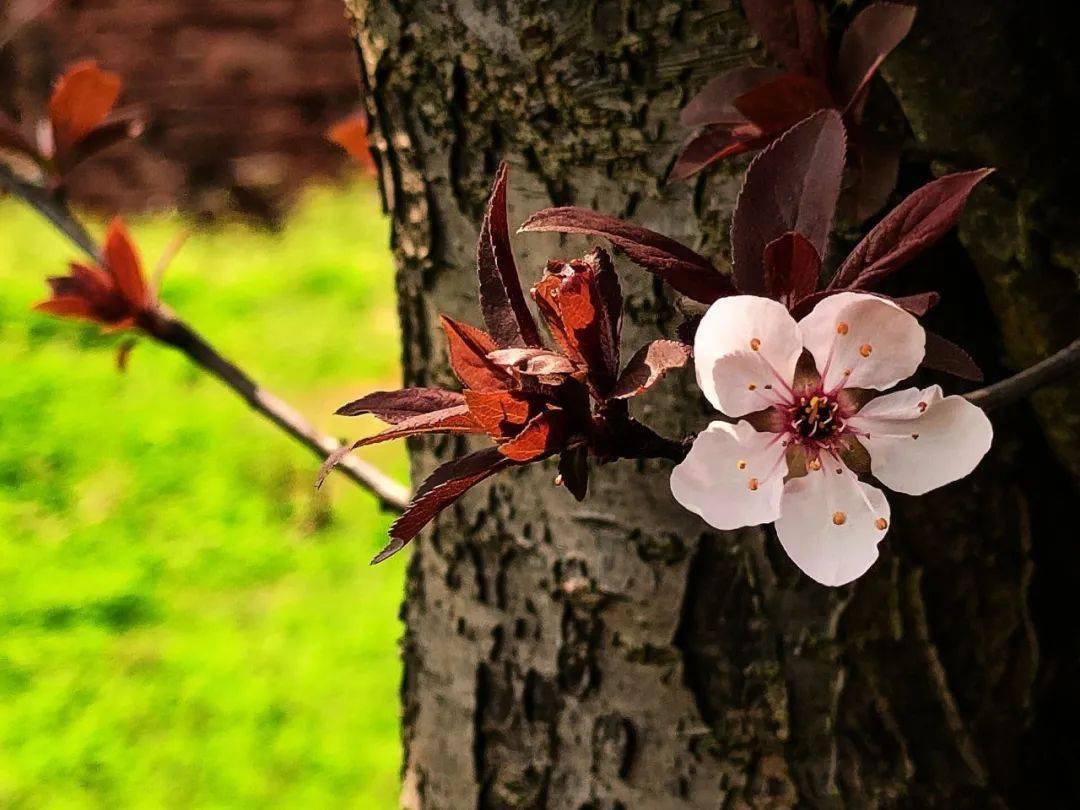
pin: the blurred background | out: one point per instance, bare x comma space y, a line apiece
184, 620
237, 95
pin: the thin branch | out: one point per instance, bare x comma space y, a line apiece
1047, 371
52, 209
172, 331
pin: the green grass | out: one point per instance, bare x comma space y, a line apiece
184, 621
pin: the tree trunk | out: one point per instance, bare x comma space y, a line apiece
619, 654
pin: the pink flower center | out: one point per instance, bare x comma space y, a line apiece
816, 421
816, 418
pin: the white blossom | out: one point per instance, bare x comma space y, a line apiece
792, 469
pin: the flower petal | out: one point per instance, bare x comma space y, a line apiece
919, 441
748, 324
862, 341
124, 265
830, 524
747, 384
732, 477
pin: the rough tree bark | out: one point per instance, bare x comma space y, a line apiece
617, 653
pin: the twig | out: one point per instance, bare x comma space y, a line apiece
1023, 383
52, 209
173, 332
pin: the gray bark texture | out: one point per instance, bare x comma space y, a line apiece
619, 654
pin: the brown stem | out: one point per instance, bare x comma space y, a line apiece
52, 209
1023, 383
166, 328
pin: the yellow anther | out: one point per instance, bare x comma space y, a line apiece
742, 464
815, 464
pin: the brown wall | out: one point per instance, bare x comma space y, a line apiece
239, 95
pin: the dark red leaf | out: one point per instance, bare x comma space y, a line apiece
791, 186
90, 293
713, 144
123, 264
542, 435
944, 355
871, 37
792, 268
791, 30
108, 134
909, 229
395, 407
448, 483
574, 470
688, 272
499, 413
457, 419
469, 350
533, 362
607, 284
812, 43
712, 104
82, 99
506, 314
351, 134
918, 304
576, 311
782, 102
607, 293
67, 306
449, 420
648, 365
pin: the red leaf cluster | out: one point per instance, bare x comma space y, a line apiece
532, 401
780, 232
746, 109
114, 294
351, 134
81, 122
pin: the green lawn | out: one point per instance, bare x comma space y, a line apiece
184, 621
